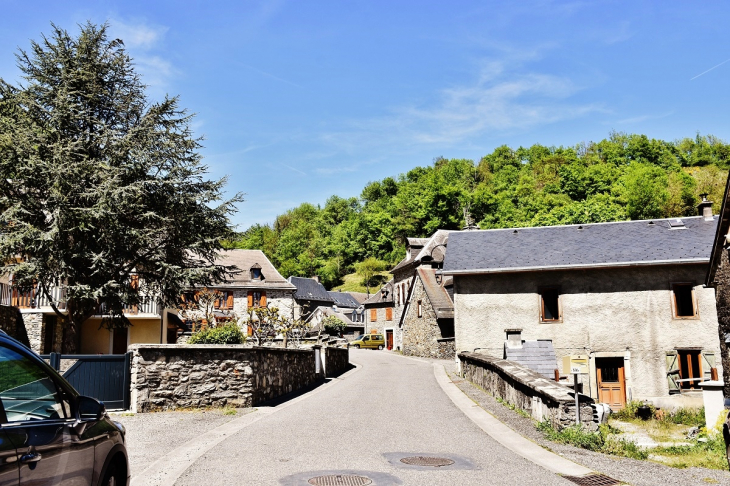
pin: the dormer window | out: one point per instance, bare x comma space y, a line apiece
256, 272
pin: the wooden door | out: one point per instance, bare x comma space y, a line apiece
119, 342
611, 382
389, 339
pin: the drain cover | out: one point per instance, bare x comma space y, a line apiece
427, 461
593, 480
340, 480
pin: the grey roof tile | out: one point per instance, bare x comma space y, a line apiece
310, 289
580, 246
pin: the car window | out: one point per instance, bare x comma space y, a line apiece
27, 392
366, 338
379, 338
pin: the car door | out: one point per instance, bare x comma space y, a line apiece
366, 342
8, 459
39, 423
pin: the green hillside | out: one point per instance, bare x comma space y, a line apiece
624, 176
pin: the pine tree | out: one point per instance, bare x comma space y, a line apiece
102, 192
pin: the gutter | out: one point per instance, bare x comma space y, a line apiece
578, 266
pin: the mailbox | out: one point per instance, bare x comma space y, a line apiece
575, 362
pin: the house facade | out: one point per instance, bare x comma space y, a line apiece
379, 316
623, 302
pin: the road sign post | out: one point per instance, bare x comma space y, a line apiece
576, 371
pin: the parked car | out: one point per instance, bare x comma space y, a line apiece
49, 434
371, 341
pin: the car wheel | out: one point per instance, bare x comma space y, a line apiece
356, 346
114, 476
380, 347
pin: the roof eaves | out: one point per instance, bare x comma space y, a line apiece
578, 266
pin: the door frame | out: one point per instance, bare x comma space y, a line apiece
593, 372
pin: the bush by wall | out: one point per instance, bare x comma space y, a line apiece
227, 334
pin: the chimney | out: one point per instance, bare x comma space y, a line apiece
315, 278
705, 208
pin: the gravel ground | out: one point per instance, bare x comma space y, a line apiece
631, 471
152, 435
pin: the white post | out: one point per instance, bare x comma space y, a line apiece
714, 402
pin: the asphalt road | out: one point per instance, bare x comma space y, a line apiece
390, 408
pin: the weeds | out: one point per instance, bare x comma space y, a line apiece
603, 440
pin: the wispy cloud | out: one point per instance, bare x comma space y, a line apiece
499, 99
294, 169
643, 118
139, 35
143, 41
272, 76
712, 68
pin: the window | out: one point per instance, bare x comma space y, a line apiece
683, 301
420, 309
225, 301
687, 368
550, 308
27, 392
256, 272
388, 313
373, 315
257, 298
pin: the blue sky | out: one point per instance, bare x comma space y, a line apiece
300, 100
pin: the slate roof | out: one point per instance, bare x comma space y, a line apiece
625, 243
329, 311
539, 356
344, 299
244, 260
361, 297
309, 289
377, 297
437, 295
430, 249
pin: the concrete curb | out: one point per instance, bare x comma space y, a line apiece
505, 435
168, 468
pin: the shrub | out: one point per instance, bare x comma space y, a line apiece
226, 334
334, 325
603, 440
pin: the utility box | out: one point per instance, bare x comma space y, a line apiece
576, 361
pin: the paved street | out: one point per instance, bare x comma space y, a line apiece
390, 408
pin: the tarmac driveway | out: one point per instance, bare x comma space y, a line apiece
390, 408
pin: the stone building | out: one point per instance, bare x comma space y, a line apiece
309, 294
428, 318
624, 302
718, 277
379, 315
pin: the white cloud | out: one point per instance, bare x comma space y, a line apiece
137, 36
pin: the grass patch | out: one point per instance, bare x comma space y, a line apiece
230, 411
603, 440
353, 283
512, 407
710, 454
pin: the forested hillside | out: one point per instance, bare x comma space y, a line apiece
622, 177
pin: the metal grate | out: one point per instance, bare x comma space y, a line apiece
340, 480
593, 480
427, 461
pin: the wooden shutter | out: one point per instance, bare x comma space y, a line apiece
708, 362
672, 371
229, 303
250, 299
373, 315
134, 281
388, 313
262, 301
217, 304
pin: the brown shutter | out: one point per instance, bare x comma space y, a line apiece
229, 303
134, 281
217, 304
389, 313
262, 301
250, 299
373, 315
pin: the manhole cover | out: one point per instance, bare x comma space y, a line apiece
427, 461
340, 480
593, 480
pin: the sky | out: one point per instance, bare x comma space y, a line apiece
301, 100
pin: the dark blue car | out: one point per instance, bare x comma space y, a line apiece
49, 434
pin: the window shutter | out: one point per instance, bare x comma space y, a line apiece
229, 302
708, 362
134, 282
217, 304
262, 302
373, 315
672, 371
389, 313
250, 299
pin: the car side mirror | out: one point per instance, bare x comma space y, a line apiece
89, 409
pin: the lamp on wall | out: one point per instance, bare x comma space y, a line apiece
439, 276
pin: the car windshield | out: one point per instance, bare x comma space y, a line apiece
359, 338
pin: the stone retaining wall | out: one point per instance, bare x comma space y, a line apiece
525, 389
336, 361
166, 377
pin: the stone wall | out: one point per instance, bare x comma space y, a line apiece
166, 377
422, 335
382, 324
34, 327
11, 321
722, 294
525, 389
281, 299
335, 360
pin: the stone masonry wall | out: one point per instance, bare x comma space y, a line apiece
525, 389
722, 296
166, 377
336, 361
34, 327
422, 335
11, 321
